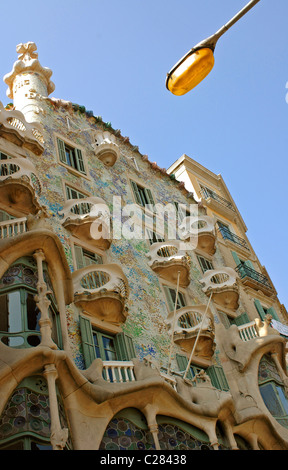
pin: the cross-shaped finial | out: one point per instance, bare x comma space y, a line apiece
27, 51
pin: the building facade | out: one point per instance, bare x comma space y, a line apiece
135, 314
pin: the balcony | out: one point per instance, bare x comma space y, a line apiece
106, 148
15, 128
231, 237
167, 259
19, 185
88, 219
102, 291
188, 322
199, 232
13, 227
251, 278
223, 285
216, 202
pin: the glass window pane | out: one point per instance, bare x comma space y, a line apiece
109, 348
96, 344
283, 398
33, 313
14, 315
270, 399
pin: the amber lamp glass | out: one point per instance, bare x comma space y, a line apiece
190, 71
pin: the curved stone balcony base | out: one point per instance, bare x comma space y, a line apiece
19, 195
88, 219
199, 232
108, 306
84, 229
189, 322
169, 271
101, 290
107, 155
167, 259
205, 347
206, 242
228, 297
15, 129
106, 148
222, 283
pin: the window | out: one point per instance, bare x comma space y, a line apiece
143, 196
104, 346
272, 390
81, 209
85, 257
205, 264
5, 216
182, 212
19, 314
71, 156
98, 344
228, 321
263, 311
154, 237
216, 373
170, 294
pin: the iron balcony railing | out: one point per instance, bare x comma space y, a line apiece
245, 271
228, 235
206, 193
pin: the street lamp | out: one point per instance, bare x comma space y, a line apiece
199, 61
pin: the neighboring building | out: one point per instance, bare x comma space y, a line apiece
117, 331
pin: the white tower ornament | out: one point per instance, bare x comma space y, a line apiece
28, 82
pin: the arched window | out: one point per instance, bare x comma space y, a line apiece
19, 314
128, 430
272, 390
25, 423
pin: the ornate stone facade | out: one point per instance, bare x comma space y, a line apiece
112, 335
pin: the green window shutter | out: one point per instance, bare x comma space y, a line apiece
80, 161
79, 257
136, 193
124, 346
171, 303
241, 319
87, 341
149, 196
224, 319
236, 258
249, 264
259, 309
218, 378
272, 312
61, 150
182, 362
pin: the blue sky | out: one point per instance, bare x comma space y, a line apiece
113, 56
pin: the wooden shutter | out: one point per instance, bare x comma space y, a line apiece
259, 309
136, 193
124, 346
171, 304
87, 341
80, 161
182, 362
236, 258
224, 319
218, 378
241, 319
149, 197
61, 150
79, 257
272, 312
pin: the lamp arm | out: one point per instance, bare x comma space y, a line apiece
212, 40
